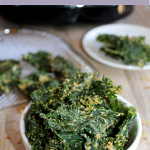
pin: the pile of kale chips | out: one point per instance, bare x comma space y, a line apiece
83, 113
134, 50
11, 73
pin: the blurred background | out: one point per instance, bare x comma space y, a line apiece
65, 13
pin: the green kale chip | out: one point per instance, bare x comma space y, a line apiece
50, 72
62, 68
10, 75
35, 81
132, 50
41, 60
83, 113
6, 65
58, 65
122, 137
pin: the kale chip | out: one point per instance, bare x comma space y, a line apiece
132, 50
83, 113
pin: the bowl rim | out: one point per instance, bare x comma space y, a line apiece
22, 126
128, 104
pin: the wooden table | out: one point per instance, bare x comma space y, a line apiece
136, 84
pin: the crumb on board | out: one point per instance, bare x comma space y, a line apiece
134, 99
12, 121
1, 142
8, 137
147, 87
145, 78
135, 84
19, 142
148, 123
144, 120
131, 77
144, 133
7, 112
144, 138
20, 109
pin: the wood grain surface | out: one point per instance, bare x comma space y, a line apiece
136, 84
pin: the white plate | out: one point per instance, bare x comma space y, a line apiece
92, 46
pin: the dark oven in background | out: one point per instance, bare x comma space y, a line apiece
65, 13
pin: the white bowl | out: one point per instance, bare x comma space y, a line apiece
135, 128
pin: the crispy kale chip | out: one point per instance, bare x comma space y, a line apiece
36, 81
40, 60
132, 50
10, 72
10, 79
122, 137
63, 68
82, 114
50, 72
6, 65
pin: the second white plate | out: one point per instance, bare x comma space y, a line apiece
92, 46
